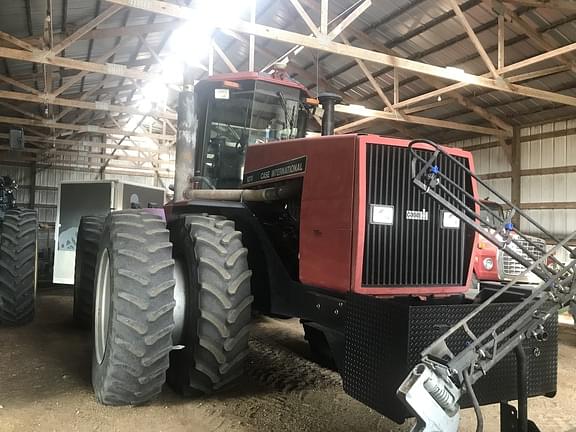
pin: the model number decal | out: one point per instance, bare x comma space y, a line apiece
417, 215
287, 168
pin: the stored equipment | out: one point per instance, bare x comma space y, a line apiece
18, 248
335, 230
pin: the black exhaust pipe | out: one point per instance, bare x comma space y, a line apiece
328, 101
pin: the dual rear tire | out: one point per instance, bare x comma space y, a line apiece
135, 300
18, 266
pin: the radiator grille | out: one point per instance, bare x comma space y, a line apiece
411, 252
511, 267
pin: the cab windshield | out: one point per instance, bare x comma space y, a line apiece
257, 113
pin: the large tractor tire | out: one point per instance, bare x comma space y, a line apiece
218, 312
89, 234
18, 262
133, 309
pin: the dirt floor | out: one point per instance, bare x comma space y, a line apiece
45, 386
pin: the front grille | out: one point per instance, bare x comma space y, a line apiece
411, 252
511, 267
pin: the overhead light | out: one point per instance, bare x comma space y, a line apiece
455, 72
381, 214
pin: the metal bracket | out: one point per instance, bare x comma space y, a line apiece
432, 399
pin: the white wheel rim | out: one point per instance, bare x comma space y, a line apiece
102, 305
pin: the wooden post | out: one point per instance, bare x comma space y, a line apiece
515, 165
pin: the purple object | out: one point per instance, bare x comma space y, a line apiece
157, 212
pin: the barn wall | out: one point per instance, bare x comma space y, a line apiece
46, 199
544, 146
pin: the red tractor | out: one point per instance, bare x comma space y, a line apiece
490, 263
328, 229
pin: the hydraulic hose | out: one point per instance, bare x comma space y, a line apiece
474, 399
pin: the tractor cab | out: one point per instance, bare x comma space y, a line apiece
241, 110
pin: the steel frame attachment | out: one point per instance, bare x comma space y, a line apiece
454, 373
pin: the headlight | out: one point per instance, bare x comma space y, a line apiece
488, 263
381, 214
449, 220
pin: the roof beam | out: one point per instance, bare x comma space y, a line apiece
224, 57
81, 166
305, 17
519, 65
567, 5
86, 28
89, 154
542, 41
345, 23
371, 79
75, 103
16, 41
78, 143
464, 101
17, 109
346, 109
472, 36
81, 128
109, 33
19, 85
355, 52
45, 57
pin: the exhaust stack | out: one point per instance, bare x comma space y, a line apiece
185, 138
328, 101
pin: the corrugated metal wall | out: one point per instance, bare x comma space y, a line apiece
550, 145
46, 199
47, 181
487, 161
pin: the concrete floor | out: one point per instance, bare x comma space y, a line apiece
45, 386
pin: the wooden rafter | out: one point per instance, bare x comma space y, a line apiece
365, 112
85, 29
83, 144
472, 36
355, 52
81, 128
19, 85
346, 22
224, 57
44, 57
519, 65
74, 103
539, 40
565, 5
306, 18
16, 41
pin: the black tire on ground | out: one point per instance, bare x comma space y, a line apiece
18, 262
87, 241
132, 342
218, 312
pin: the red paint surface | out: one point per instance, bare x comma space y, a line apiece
488, 250
327, 203
358, 252
333, 211
255, 76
